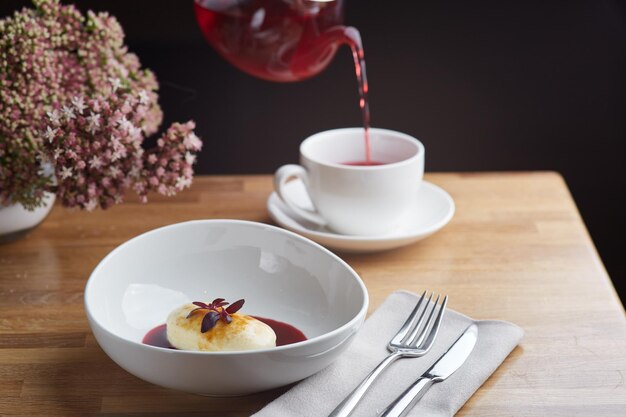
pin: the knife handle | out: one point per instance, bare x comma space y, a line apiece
407, 400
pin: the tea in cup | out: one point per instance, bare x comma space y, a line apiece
352, 195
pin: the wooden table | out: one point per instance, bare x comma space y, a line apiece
516, 250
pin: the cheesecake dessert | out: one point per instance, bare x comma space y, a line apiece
217, 327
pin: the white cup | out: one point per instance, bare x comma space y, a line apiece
356, 200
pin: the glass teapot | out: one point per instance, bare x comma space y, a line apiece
277, 40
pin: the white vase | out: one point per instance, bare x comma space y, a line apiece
16, 221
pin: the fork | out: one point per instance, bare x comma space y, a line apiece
414, 339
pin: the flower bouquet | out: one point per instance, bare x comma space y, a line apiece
75, 109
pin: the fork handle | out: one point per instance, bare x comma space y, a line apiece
407, 400
345, 408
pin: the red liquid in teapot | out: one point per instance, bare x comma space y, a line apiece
283, 40
286, 334
273, 39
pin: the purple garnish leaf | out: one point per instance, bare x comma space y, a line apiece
209, 320
193, 311
200, 304
234, 307
217, 311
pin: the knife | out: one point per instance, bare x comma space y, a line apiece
445, 366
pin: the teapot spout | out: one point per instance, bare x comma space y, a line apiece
314, 56
353, 39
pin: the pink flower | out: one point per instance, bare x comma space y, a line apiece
79, 104
192, 142
63, 106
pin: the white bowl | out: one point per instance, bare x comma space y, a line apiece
281, 275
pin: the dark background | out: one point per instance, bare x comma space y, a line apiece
485, 85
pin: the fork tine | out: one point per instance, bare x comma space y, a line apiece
416, 329
408, 324
434, 330
416, 325
419, 335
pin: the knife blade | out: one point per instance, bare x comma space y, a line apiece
445, 366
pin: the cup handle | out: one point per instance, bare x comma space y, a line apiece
282, 176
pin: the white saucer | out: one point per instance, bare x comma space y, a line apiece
434, 209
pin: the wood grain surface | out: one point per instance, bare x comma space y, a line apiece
516, 250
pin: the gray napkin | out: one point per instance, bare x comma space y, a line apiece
319, 394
